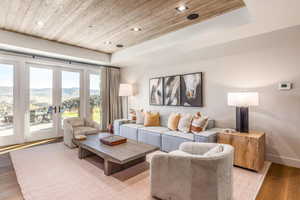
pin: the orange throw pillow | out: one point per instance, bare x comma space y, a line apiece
173, 121
152, 119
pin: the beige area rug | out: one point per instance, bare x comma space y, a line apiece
53, 172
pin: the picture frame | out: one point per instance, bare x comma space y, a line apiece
171, 88
156, 91
191, 87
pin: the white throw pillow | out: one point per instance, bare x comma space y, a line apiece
140, 116
185, 122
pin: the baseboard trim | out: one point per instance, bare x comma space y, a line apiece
7, 149
288, 161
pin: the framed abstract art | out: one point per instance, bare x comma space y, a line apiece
156, 91
191, 90
172, 91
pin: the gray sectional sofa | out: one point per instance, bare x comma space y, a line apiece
161, 136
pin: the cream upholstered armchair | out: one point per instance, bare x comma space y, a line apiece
77, 126
195, 171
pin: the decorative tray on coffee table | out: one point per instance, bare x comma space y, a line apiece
113, 140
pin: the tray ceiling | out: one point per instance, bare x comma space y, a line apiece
102, 24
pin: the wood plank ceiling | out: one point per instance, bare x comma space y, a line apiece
92, 23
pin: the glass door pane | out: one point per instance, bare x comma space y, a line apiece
70, 94
41, 99
6, 99
94, 98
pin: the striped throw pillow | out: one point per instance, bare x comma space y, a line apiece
132, 114
199, 123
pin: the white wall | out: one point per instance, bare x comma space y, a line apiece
253, 64
27, 44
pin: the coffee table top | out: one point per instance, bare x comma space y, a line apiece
121, 153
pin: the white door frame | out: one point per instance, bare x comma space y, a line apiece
56, 100
82, 107
21, 90
87, 93
16, 137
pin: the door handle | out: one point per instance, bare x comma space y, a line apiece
55, 109
59, 109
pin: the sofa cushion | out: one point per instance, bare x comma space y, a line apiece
189, 136
133, 125
156, 129
130, 131
81, 130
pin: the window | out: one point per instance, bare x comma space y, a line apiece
41, 82
70, 94
95, 97
6, 99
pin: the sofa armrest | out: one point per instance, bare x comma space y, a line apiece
209, 135
68, 127
68, 135
119, 122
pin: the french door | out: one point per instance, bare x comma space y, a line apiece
53, 95
9, 106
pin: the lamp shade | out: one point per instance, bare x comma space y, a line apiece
243, 99
125, 90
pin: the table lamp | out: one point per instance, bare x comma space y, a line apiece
125, 90
242, 101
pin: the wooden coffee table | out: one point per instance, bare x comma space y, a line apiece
116, 158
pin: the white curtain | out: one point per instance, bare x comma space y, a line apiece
111, 102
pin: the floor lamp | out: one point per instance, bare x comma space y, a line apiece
125, 91
242, 101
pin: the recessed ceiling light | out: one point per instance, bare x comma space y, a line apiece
40, 23
182, 8
136, 29
108, 43
120, 45
193, 16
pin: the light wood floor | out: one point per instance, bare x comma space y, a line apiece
9, 187
281, 183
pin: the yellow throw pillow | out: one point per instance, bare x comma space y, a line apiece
152, 119
173, 121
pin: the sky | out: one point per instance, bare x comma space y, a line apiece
6, 75
42, 78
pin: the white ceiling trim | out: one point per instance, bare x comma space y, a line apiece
258, 18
